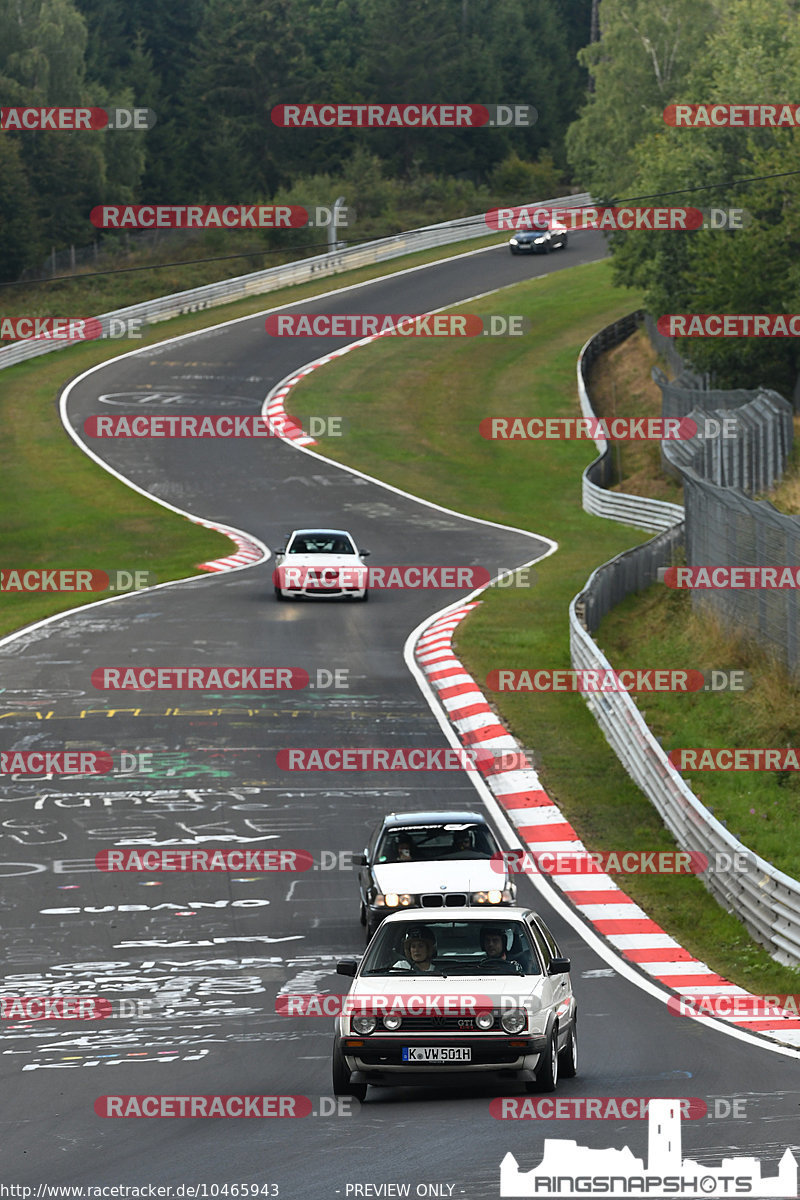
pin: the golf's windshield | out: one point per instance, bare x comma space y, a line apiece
438, 947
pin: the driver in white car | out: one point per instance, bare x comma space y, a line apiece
419, 948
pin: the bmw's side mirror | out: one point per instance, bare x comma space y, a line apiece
281, 551
559, 966
364, 553
361, 860
347, 966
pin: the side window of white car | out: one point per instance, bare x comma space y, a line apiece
540, 944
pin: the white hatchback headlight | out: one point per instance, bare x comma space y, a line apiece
363, 1025
514, 1021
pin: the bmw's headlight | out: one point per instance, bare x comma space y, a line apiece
540, 240
494, 896
513, 242
363, 1025
514, 1021
394, 900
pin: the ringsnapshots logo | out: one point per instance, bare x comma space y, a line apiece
72, 119
363, 325
567, 1169
403, 116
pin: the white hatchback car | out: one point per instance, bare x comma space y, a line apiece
434, 1000
320, 562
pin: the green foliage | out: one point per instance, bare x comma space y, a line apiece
212, 70
701, 51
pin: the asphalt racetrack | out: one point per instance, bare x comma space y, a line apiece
202, 981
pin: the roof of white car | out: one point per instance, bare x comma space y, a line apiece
422, 916
319, 529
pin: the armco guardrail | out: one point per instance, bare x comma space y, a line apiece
640, 511
259, 282
764, 898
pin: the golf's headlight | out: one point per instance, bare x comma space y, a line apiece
514, 1021
484, 1020
494, 896
392, 1021
363, 1025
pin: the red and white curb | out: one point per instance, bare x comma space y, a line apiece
275, 404
247, 552
541, 825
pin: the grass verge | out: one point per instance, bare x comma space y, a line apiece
412, 416
62, 510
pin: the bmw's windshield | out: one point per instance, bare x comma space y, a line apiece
437, 947
321, 543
